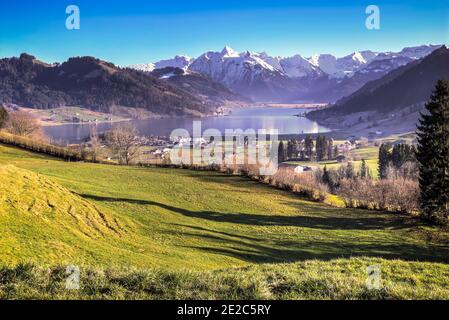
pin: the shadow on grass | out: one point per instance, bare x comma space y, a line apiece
327, 222
110, 199
256, 250
282, 251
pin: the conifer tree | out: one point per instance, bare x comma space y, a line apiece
363, 170
384, 160
321, 147
290, 150
335, 154
308, 145
3, 116
350, 171
281, 152
330, 149
327, 180
433, 155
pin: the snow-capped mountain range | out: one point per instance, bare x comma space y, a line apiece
264, 77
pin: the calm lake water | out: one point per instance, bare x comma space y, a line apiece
283, 119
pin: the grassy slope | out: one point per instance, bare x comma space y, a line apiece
180, 219
336, 279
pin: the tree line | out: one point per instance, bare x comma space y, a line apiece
309, 149
399, 159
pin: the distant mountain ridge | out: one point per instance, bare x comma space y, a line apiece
320, 78
93, 84
211, 92
406, 86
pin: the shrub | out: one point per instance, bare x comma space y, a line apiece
394, 195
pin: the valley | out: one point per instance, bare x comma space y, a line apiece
176, 220
239, 151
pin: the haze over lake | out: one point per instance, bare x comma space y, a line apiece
283, 119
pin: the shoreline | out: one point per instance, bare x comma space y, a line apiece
43, 115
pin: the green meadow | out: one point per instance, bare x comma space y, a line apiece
248, 239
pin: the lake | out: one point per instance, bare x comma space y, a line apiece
283, 119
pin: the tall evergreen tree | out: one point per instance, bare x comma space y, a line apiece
327, 179
433, 155
3, 116
350, 171
308, 145
321, 148
397, 155
384, 160
297, 148
330, 149
335, 154
291, 150
363, 170
281, 152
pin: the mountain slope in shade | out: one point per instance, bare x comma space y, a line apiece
332, 89
200, 85
89, 83
406, 86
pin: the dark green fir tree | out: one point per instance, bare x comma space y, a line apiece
384, 160
3, 116
433, 155
281, 152
363, 170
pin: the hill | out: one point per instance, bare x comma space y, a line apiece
402, 88
181, 219
148, 233
90, 83
41, 217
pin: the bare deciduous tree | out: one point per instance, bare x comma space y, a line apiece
22, 123
95, 143
121, 139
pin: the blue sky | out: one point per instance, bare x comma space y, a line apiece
138, 31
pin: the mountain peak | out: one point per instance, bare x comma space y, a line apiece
26, 56
228, 51
357, 56
183, 57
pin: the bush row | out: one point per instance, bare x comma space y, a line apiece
39, 147
398, 195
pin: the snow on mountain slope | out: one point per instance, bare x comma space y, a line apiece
149, 67
275, 62
246, 73
298, 67
254, 74
230, 67
181, 62
342, 67
326, 62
